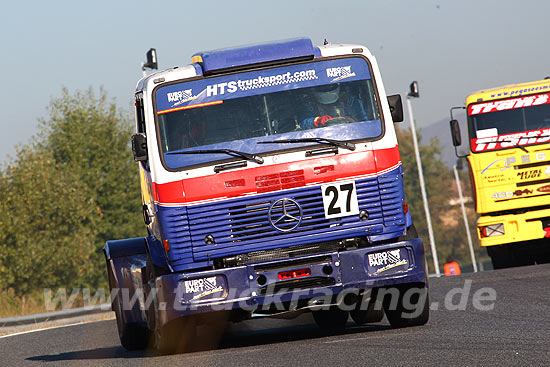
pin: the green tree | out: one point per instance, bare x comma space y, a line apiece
75, 187
47, 237
90, 136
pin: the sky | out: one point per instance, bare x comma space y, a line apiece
450, 47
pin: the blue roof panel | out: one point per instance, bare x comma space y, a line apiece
255, 54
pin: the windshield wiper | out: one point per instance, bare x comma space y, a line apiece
514, 146
234, 153
332, 142
523, 137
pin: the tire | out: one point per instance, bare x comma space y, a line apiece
331, 320
373, 312
132, 336
498, 257
508, 256
411, 233
407, 305
542, 254
176, 337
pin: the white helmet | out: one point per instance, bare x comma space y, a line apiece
327, 94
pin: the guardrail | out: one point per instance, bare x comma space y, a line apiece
55, 315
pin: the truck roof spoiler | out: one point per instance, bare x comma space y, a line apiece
249, 56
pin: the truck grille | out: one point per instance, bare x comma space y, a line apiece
241, 225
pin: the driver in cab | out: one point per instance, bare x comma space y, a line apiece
331, 105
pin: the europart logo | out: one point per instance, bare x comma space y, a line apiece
180, 96
339, 73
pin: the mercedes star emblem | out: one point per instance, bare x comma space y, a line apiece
285, 215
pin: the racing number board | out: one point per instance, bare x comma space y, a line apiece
340, 199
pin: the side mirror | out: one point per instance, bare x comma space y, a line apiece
413, 90
455, 133
151, 59
396, 107
139, 147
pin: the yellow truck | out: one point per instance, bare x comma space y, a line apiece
509, 160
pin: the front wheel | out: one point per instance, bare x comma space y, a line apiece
406, 305
177, 336
133, 336
373, 312
331, 320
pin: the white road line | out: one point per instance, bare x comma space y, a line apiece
356, 339
50, 328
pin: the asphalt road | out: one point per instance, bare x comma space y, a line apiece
507, 324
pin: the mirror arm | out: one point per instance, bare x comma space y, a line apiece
459, 155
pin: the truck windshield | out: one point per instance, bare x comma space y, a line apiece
331, 99
510, 122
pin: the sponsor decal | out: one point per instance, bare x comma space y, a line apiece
495, 178
511, 140
509, 104
520, 91
258, 82
521, 192
386, 260
233, 86
202, 287
526, 175
544, 188
510, 194
180, 96
339, 73
508, 163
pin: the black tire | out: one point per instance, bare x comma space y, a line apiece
176, 337
498, 259
373, 312
411, 233
331, 320
501, 256
542, 255
407, 305
362, 317
132, 336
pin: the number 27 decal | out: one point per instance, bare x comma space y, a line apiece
340, 199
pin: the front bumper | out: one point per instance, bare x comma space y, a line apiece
517, 227
259, 285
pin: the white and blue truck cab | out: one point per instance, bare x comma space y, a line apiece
272, 185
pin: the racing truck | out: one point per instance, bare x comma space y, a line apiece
509, 160
272, 186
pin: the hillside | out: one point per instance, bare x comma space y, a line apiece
441, 131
